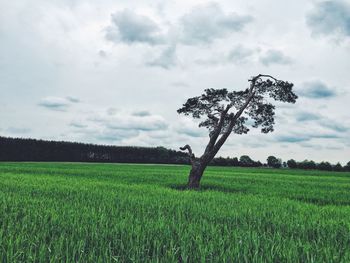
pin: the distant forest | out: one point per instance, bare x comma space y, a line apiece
32, 150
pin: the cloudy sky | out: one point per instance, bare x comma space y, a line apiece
115, 72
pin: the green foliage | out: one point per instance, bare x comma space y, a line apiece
306, 164
210, 107
338, 167
246, 161
325, 166
272, 161
347, 167
52, 212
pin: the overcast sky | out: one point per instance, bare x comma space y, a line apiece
115, 72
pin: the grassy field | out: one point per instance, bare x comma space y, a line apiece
52, 212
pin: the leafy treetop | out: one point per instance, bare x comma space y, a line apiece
222, 111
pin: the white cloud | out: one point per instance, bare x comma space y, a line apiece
131, 28
206, 23
106, 127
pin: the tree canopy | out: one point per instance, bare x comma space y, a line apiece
220, 108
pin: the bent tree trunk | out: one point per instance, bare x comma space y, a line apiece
198, 166
195, 175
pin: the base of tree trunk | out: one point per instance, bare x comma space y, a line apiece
193, 183
195, 177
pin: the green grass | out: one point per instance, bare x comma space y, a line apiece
62, 212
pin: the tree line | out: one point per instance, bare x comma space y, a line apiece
274, 162
19, 149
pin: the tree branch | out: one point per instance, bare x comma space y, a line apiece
190, 153
217, 130
239, 113
224, 137
262, 75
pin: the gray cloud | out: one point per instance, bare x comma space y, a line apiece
166, 60
240, 54
333, 125
115, 135
18, 130
58, 103
206, 23
311, 146
102, 54
254, 144
330, 18
130, 28
119, 126
191, 132
275, 57
316, 90
203, 24
326, 136
292, 138
307, 116
55, 103
102, 134
142, 121
112, 111
143, 113
324, 122
334, 147
73, 99
77, 124
189, 128
298, 138
141, 125
179, 84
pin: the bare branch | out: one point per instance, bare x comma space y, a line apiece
253, 79
215, 134
190, 153
212, 117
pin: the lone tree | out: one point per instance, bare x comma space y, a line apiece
272, 161
223, 112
